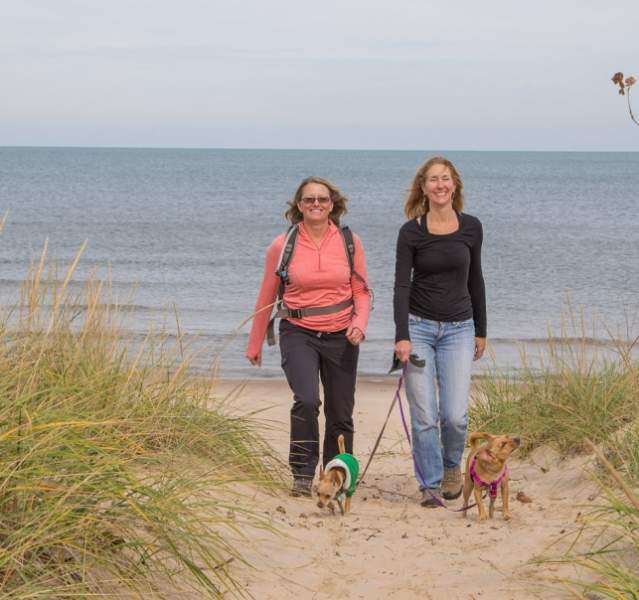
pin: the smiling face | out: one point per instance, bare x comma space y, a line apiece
439, 186
315, 204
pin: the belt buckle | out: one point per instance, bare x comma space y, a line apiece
295, 313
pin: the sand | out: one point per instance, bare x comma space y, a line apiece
388, 546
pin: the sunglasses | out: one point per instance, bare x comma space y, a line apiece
310, 200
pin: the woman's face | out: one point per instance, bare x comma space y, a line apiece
439, 186
316, 204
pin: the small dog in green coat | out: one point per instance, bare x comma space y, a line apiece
338, 480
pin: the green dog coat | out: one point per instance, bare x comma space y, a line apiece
351, 467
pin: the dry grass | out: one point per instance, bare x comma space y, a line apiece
579, 403
116, 467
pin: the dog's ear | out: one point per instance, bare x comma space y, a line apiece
476, 436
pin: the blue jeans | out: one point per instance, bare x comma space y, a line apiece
448, 350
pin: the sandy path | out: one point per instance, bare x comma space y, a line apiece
389, 546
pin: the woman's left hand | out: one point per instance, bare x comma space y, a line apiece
480, 346
354, 335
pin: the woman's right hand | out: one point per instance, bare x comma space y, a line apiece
402, 350
255, 359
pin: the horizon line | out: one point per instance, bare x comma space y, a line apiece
264, 148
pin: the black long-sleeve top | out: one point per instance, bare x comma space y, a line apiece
447, 283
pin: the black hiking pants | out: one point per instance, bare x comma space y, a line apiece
308, 357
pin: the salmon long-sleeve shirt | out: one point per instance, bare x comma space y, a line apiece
319, 276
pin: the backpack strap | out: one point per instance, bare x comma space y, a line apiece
282, 272
285, 258
349, 243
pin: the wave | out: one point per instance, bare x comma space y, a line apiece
79, 282
559, 340
125, 307
109, 263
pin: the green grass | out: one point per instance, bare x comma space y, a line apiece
572, 396
579, 403
117, 468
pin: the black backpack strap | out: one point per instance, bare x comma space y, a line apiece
282, 272
285, 257
349, 243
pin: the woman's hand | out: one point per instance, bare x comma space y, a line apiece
354, 335
480, 346
402, 350
255, 359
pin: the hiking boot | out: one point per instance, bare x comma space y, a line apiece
452, 483
301, 487
431, 498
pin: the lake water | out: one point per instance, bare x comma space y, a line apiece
189, 228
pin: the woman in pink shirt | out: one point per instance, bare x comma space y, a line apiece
316, 344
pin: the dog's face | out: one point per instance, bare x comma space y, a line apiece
498, 449
327, 488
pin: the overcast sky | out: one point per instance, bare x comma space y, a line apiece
398, 74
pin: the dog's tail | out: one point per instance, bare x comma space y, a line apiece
340, 444
476, 436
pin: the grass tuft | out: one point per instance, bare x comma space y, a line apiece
579, 402
574, 394
117, 468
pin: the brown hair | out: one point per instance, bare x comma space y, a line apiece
417, 204
294, 215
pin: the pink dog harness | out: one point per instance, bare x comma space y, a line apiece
490, 484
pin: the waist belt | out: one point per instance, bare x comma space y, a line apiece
299, 313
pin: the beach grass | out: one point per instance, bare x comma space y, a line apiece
119, 471
570, 394
578, 402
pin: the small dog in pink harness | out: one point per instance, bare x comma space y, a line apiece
486, 469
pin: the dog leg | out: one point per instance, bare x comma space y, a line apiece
480, 503
491, 507
468, 488
331, 507
477, 436
504, 497
347, 504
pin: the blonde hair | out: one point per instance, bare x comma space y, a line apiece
294, 215
417, 203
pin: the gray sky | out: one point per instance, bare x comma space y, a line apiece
399, 74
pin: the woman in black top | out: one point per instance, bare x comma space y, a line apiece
440, 322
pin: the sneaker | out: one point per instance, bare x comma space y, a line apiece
431, 498
301, 487
452, 483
